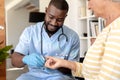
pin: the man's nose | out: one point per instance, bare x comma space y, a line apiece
54, 22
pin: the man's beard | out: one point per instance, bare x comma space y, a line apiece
51, 32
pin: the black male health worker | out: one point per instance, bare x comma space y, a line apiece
47, 38
102, 61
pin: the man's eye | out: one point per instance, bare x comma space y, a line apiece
60, 20
51, 17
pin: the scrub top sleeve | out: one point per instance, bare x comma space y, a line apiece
74, 53
23, 44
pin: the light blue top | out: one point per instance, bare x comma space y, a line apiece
30, 42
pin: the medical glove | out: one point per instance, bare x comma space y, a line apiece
34, 60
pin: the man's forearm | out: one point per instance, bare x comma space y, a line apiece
17, 60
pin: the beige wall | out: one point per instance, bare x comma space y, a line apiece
43, 5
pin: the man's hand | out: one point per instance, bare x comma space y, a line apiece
34, 60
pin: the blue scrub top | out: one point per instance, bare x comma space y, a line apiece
30, 42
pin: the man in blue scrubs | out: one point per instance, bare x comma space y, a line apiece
47, 38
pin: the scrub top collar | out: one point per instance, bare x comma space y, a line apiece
54, 36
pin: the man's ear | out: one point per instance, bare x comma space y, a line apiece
66, 15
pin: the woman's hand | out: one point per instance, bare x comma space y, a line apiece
53, 63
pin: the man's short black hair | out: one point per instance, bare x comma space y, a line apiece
60, 4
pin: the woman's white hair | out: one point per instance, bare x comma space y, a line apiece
116, 0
